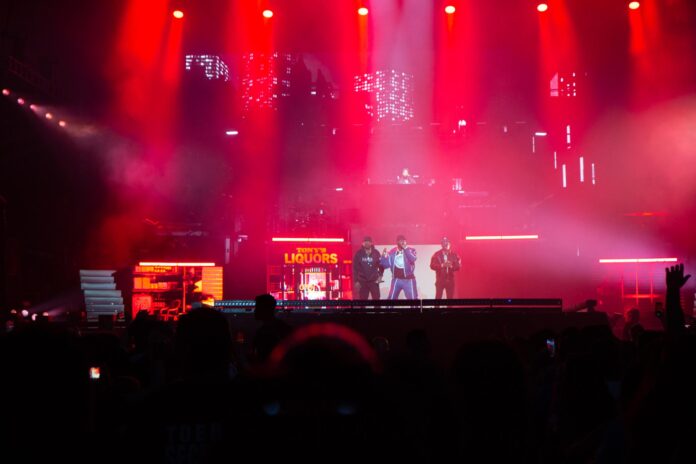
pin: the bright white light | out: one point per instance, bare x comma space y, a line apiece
450, 9
565, 180
462, 123
362, 11
5, 92
637, 260
542, 7
634, 5
178, 14
582, 169
213, 66
62, 123
541, 134
20, 101
232, 132
339, 189
25, 313
568, 134
49, 116
267, 13
594, 182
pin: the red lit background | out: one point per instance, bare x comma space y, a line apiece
572, 124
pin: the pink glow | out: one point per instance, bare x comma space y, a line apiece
637, 260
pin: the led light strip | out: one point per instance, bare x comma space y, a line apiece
502, 237
176, 264
307, 239
637, 260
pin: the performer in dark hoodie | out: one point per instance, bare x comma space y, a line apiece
402, 261
445, 262
367, 271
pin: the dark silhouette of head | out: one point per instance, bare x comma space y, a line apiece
203, 343
417, 342
265, 307
325, 359
633, 316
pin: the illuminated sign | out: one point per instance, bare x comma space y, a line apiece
310, 256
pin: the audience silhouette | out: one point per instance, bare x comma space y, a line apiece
183, 392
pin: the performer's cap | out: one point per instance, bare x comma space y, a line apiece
400, 237
367, 239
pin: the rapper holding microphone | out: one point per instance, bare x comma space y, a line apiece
402, 261
445, 263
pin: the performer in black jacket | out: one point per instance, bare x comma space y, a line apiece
445, 263
367, 271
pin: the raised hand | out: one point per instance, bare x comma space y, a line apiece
675, 278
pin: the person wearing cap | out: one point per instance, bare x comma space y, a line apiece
402, 261
445, 263
367, 271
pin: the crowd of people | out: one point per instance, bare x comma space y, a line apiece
202, 391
